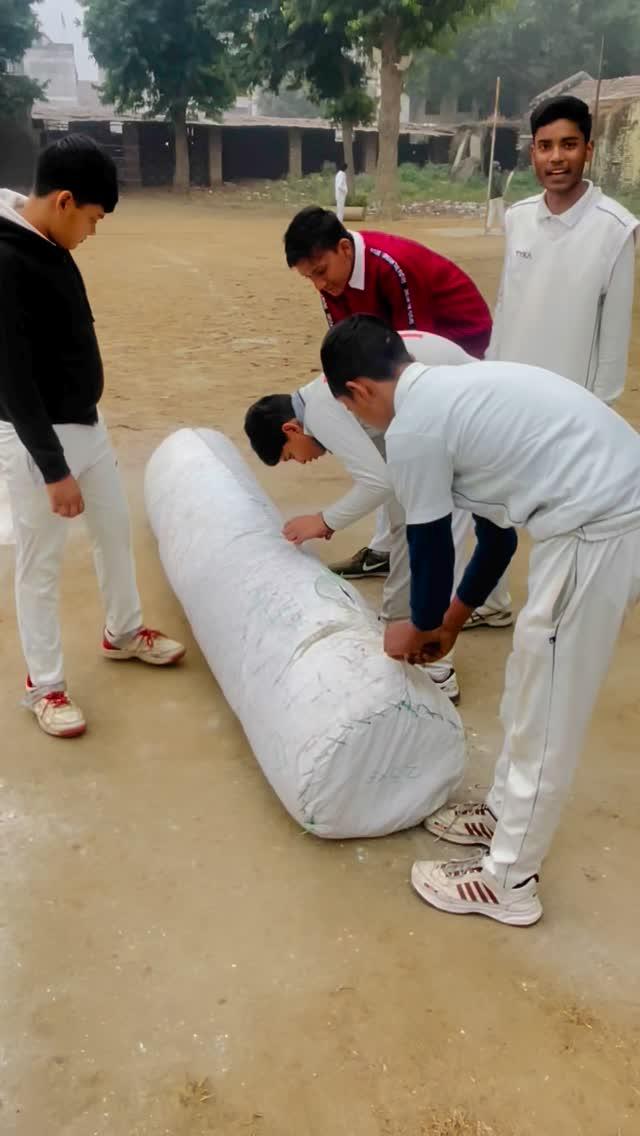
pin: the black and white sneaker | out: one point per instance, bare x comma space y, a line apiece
365, 563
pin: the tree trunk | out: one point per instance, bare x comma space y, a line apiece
391, 83
182, 173
347, 146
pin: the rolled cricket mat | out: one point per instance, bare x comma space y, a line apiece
353, 743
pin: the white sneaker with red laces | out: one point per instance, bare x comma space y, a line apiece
463, 824
58, 715
464, 887
146, 645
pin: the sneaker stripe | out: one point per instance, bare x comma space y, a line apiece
470, 892
486, 831
490, 893
461, 891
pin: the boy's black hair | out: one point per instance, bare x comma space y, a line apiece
312, 231
361, 347
263, 426
76, 163
343, 167
564, 106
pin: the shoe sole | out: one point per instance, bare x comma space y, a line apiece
453, 838
74, 732
376, 573
453, 698
128, 656
495, 622
511, 919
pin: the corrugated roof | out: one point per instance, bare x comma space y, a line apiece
611, 90
88, 108
564, 87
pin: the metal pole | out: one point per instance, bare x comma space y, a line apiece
596, 108
493, 150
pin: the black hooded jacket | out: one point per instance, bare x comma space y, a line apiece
50, 365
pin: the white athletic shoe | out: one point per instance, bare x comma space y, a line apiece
488, 617
148, 646
463, 824
464, 887
58, 715
448, 685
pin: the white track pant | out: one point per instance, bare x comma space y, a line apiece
579, 592
40, 539
340, 204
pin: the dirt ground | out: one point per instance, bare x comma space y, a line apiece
177, 958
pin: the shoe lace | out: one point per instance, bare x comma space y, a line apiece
474, 810
149, 636
456, 868
57, 698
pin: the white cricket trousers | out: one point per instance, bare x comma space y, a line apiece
385, 541
40, 539
340, 204
579, 592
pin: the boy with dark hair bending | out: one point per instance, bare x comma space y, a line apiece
55, 451
407, 285
519, 447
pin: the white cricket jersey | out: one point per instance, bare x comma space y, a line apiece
332, 425
515, 444
566, 293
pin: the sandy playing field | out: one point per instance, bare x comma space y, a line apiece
177, 958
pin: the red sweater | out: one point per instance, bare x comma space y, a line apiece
410, 286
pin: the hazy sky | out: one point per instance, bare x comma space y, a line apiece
58, 21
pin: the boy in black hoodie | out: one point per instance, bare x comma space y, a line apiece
55, 452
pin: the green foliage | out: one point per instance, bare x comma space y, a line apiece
18, 29
416, 184
531, 44
163, 55
287, 48
17, 94
414, 23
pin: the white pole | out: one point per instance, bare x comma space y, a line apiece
596, 111
493, 150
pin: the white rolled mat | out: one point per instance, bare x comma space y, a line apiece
353, 743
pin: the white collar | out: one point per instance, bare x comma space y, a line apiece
11, 206
571, 216
407, 380
356, 279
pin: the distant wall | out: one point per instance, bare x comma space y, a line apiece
255, 152
145, 151
617, 161
53, 65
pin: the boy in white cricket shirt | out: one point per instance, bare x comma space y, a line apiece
516, 445
566, 294
309, 423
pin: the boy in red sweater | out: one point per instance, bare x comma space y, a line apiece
400, 281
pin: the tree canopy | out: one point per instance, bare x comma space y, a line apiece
18, 29
531, 44
165, 57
